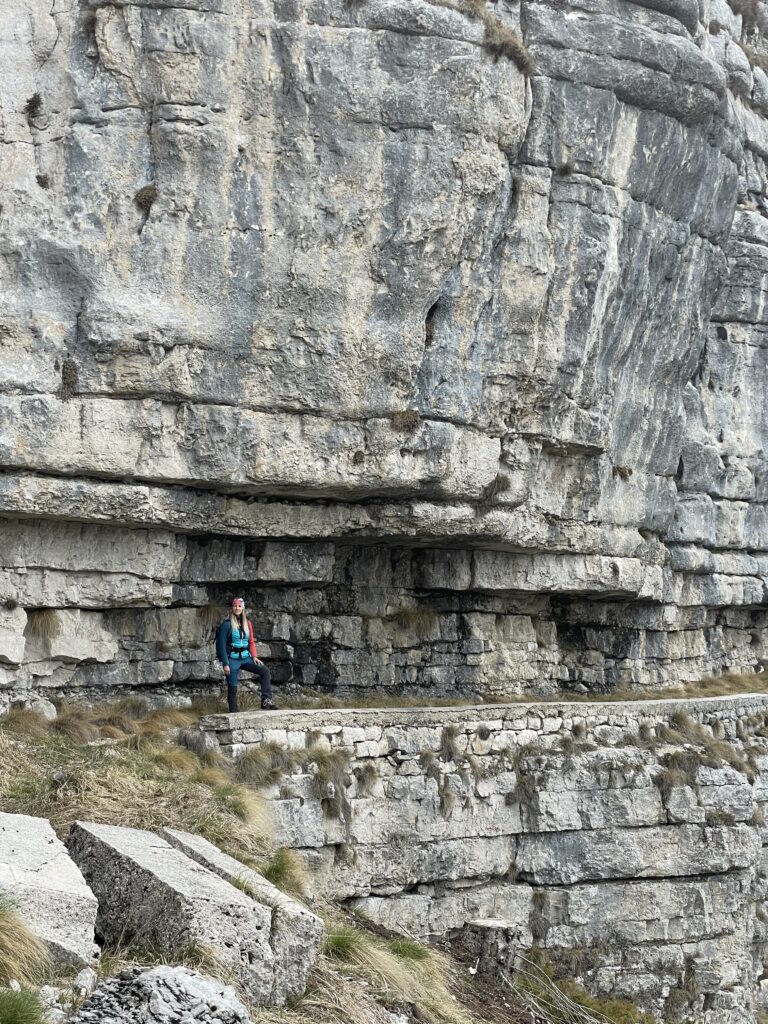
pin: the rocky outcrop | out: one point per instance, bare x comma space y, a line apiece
506, 333
295, 934
180, 895
627, 840
47, 889
161, 995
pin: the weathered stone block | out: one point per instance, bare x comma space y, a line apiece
153, 895
50, 892
296, 933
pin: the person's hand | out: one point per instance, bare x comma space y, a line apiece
258, 661
226, 670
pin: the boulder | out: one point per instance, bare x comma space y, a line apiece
296, 933
155, 897
49, 891
160, 996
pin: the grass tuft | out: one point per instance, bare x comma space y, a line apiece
367, 775
21, 721
286, 870
209, 617
146, 197
42, 623
266, 765
450, 749
396, 972
421, 621
23, 956
33, 106
21, 1007
407, 949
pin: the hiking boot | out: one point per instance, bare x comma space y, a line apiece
267, 704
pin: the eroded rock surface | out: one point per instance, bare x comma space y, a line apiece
333, 272
296, 934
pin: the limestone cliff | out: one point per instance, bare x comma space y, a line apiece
331, 302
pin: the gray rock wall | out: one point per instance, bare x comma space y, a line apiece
240, 241
627, 840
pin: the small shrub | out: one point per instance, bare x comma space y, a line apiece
145, 197
501, 41
33, 106
408, 420
21, 1007
42, 623
450, 750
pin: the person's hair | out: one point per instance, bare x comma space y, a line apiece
241, 625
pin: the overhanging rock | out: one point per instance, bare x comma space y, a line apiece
49, 891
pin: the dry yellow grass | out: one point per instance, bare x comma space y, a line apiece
141, 781
23, 956
380, 972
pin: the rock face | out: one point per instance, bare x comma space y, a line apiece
160, 995
278, 280
627, 840
173, 895
47, 888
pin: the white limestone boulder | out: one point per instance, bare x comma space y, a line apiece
154, 896
296, 933
47, 888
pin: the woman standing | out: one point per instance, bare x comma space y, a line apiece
236, 649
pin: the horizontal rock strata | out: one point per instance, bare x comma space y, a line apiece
625, 839
454, 334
